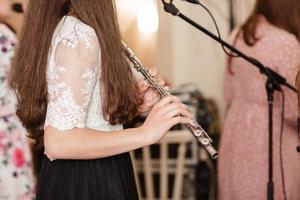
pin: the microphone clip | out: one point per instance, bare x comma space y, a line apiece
171, 8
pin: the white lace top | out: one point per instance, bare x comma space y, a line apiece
73, 75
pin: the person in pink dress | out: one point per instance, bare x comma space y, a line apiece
271, 35
16, 177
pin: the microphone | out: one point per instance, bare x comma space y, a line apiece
192, 1
17, 7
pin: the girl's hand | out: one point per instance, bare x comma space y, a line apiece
163, 116
149, 95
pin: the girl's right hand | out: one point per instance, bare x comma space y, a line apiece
164, 115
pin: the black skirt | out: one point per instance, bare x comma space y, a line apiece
101, 179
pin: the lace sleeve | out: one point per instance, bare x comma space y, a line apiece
72, 75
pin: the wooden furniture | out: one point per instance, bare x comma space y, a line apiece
165, 166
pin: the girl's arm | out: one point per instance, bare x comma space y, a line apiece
84, 143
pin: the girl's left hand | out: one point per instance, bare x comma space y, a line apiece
149, 95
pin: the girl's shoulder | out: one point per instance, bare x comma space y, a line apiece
72, 31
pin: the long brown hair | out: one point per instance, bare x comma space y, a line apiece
28, 76
284, 14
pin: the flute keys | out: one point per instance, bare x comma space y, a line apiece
198, 133
205, 141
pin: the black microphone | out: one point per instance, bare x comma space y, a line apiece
17, 7
192, 1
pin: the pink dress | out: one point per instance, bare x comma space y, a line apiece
243, 162
16, 177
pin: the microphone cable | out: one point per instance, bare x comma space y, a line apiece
280, 146
230, 54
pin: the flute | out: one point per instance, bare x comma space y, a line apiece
194, 127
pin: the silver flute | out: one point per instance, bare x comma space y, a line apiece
194, 127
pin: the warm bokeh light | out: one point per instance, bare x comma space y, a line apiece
143, 11
147, 16
127, 11
139, 21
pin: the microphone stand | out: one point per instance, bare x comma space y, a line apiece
231, 14
273, 83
